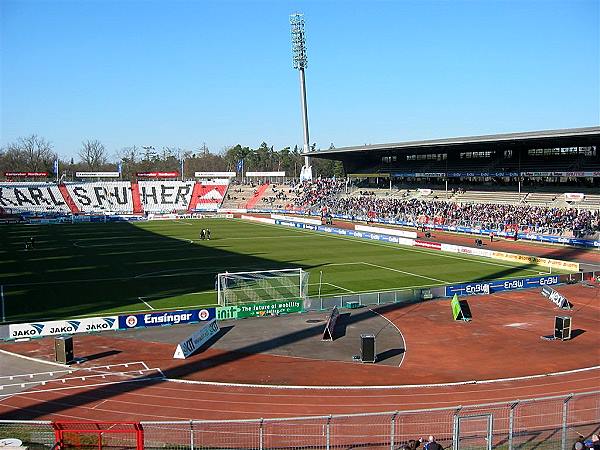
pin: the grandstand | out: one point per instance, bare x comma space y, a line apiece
559, 158
102, 196
112, 197
32, 197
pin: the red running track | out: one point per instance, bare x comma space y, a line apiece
502, 341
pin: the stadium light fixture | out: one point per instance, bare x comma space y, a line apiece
300, 61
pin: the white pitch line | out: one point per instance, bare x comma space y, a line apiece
146, 303
339, 287
405, 273
440, 254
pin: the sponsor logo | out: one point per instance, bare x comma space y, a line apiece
477, 288
38, 327
105, 324
151, 319
548, 280
203, 314
514, 284
556, 298
131, 321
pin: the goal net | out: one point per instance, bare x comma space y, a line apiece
260, 286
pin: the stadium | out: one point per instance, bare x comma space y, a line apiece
442, 293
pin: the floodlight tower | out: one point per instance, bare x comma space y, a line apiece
300, 62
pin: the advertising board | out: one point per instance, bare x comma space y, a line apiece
196, 340
296, 219
97, 174
157, 319
157, 174
387, 231
56, 327
259, 219
489, 287
214, 174
556, 297
265, 174
26, 174
260, 309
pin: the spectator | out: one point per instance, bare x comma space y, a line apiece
325, 193
432, 444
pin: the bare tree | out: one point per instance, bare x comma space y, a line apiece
93, 154
31, 153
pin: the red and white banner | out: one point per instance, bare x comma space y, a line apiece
431, 245
157, 174
26, 174
574, 196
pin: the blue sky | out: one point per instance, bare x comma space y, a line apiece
180, 73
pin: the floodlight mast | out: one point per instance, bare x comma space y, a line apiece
300, 62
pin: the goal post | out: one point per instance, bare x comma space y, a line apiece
98, 435
261, 286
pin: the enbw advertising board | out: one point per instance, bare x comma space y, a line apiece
500, 285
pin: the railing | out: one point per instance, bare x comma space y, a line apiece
545, 423
327, 302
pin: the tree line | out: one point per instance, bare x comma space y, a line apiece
35, 154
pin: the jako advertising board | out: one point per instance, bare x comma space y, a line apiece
157, 319
40, 329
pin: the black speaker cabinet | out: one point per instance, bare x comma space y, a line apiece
63, 349
562, 328
367, 348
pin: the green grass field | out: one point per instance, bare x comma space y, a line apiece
90, 269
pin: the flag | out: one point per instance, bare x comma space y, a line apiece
56, 166
240, 166
120, 167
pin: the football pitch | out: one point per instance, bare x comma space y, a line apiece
77, 270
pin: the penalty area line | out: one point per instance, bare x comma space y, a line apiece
141, 299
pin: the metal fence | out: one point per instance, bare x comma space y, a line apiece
327, 302
549, 423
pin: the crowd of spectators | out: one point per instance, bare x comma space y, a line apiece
323, 195
280, 196
318, 193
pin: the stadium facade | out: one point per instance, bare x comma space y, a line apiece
566, 157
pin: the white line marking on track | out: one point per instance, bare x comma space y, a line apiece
397, 386
397, 329
37, 360
99, 404
84, 386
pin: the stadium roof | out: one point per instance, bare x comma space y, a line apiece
438, 144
